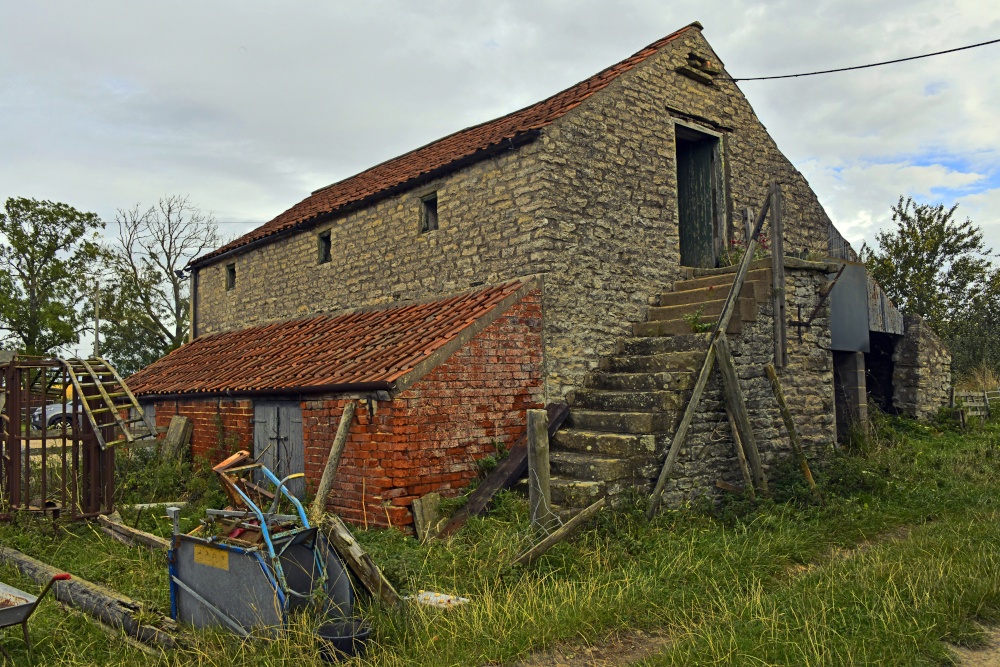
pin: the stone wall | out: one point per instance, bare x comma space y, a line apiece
921, 376
709, 454
592, 204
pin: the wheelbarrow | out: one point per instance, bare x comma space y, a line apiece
16, 606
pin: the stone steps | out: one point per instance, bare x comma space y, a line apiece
622, 419
652, 363
628, 401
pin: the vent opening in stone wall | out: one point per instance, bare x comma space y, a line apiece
699, 189
230, 276
428, 213
323, 247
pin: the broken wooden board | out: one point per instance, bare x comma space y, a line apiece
177, 439
359, 562
505, 474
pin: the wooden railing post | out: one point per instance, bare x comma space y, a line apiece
778, 279
539, 492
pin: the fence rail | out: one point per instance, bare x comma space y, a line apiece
976, 403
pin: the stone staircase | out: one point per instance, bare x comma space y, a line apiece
622, 421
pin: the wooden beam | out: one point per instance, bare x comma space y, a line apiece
733, 394
133, 536
109, 607
567, 529
793, 434
505, 474
332, 462
539, 493
359, 562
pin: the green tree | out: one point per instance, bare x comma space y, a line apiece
936, 267
149, 306
47, 251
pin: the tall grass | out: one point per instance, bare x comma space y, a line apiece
901, 556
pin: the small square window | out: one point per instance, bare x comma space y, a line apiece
230, 276
323, 247
429, 213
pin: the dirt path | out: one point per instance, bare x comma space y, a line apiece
624, 649
987, 656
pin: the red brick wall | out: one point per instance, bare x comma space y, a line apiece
427, 439
221, 426
430, 437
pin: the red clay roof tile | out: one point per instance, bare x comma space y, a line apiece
441, 153
357, 348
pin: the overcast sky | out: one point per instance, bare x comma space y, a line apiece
248, 106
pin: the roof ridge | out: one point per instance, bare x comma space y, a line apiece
441, 153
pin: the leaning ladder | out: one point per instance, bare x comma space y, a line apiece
103, 391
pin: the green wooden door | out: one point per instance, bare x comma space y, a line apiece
696, 202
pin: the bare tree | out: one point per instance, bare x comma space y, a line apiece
150, 295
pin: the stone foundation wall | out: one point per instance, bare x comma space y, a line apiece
807, 381
921, 375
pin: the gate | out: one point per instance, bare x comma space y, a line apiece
277, 441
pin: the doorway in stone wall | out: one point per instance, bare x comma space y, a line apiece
277, 440
699, 191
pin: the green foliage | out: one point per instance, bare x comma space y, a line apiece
47, 253
933, 266
694, 320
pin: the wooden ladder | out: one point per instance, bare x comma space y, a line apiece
103, 391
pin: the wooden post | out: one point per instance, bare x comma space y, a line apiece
734, 400
778, 279
332, 462
793, 434
504, 475
741, 456
535, 552
539, 493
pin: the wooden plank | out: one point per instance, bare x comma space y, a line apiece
332, 462
505, 474
706, 369
359, 562
567, 529
177, 439
539, 493
133, 536
793, 434
733, 394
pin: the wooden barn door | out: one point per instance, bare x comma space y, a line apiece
698, 190
277, 440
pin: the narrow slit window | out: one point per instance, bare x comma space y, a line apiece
230, 276
429, 213
324, 247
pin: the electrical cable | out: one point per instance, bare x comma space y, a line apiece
847, 69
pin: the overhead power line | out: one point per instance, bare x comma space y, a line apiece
847, 69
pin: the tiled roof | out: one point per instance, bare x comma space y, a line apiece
358, 349
441, 153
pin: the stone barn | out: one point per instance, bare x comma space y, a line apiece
569, 251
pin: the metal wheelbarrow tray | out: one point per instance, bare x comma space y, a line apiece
16, 607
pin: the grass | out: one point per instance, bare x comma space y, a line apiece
903, 555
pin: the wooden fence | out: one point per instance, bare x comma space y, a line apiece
976, 403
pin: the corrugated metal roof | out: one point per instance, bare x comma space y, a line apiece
354, 349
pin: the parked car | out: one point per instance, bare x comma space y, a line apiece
55, 414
